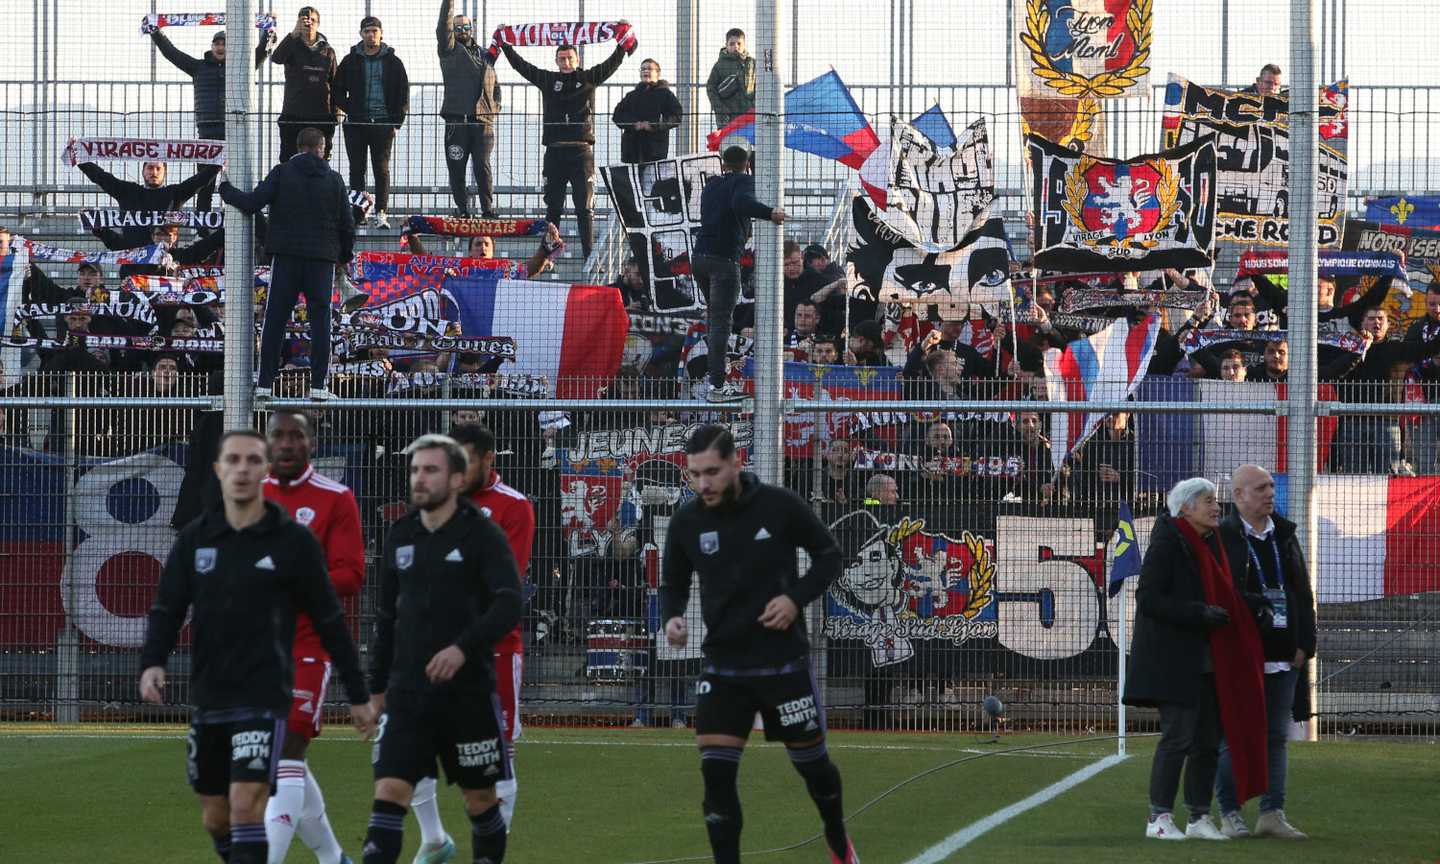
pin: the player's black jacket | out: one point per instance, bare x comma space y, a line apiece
456, 586
245, 587
745, 555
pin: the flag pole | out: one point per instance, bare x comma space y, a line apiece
1120, 674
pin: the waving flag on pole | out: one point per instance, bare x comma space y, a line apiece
934, 125
1104, 367
1127, 550
821, 118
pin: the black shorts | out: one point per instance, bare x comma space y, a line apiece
461, 730
788, 701
220, 751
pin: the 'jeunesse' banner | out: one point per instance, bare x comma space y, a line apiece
1146, 213
1252, 143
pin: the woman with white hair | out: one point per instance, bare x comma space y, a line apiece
1196, 657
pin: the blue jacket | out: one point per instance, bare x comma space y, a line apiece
726, 207
309, 209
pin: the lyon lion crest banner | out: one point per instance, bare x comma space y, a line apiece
1146, 213
1252, 142
1084, 49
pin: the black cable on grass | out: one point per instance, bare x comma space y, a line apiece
906, 782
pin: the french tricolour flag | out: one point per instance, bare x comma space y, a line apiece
1377, 535
1104, 367
13, 268
573, 334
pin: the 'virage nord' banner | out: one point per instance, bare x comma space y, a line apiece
1252, 144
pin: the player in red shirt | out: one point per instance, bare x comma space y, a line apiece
512, 512
329, 510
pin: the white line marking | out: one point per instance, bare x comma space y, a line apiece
950, 845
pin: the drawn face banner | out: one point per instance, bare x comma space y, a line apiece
1149, 212
884, 265
1085, 49
1252, 147
935, 196
659, 203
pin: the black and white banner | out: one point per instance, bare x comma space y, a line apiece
1252, 145
932, 196
1146, 213
90, 220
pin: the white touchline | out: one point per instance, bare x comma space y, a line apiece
950, 845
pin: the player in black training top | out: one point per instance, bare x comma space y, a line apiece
245, 570
740, 536
449, 591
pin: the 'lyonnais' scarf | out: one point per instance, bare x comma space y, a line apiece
453, 226
150, 23
563, 33
1239, 660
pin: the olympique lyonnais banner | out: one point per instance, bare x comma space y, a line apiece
659, 204
573, 335
155, 21
206, 151
1252, 137
155, 253
1333, 262
1086, 49
1420, 249
563, 33
457, 226
883, 265
932, 196
1146, 213
1417, 211
93, 219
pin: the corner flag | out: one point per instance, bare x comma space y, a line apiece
1127, 551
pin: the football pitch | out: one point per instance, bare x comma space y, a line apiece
118, 795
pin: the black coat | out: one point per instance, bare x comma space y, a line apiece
568, 97
309, 77
1299, 597
655, 104
1170, 642
207, 76
133, 196
310, 214
350, 86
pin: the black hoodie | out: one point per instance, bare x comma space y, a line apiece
744, 552
310, 214
655, 104
350, 86
309, 77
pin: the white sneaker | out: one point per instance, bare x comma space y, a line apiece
320, 394
1204, 829
1232, 825
262, 395
381, 220
727, 392
1274, 824
1163, 827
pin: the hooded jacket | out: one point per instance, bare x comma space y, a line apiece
350, 85
309, 78
569, 97
207, 76
745, 555
727, 205
310, 214
731, 86
655, 104
471, 86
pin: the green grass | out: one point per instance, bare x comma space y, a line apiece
592, 795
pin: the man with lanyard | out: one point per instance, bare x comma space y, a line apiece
1275, 568
246, 569
329, 510
449, 593
740, 536
511, 511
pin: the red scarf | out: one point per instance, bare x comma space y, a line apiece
1239, 661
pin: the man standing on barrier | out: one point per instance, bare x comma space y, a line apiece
312, 232
246, 570
449, 592
726, 207
740, 536
329, 510
511, 511
470, 108
1274, 567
